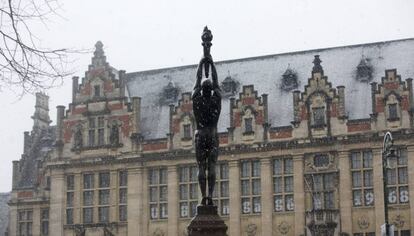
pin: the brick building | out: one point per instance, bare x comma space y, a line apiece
300, 148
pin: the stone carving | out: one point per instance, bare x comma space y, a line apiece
283, 227
251, 229
158, 232
206, 106
114, 133
398, 221
363, 222
229, 86
78, 139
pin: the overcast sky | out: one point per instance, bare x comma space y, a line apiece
143, 35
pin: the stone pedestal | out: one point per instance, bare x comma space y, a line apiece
207, 222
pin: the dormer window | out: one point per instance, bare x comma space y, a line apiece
97, 90
393, 112
318, 115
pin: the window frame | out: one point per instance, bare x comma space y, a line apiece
159, 204
284, 174
250, 196
190, 182
359, 168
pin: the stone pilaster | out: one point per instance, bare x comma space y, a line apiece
378, 190
172, 200
57, 200
345, 198
234, 194
410, 155
135, 202
36, 221
267, 202
13, 220
299, 195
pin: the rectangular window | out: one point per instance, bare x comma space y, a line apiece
322, 187
187, 131
87, 215
362, 178
104, 180
318, 116
103, 214
248, 125
393, 112
70, 182
25, 222
123, 195
221, 190
88, 181
104, 194
188, 187
44, 222
70, 196
250, 187
397, 179
158, 191
283, 184
97, 90
88, 196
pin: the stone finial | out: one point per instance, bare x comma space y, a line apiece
99, 52
98, 58
317, 68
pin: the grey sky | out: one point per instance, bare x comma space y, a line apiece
143, 35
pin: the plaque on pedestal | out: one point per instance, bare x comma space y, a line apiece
207, 222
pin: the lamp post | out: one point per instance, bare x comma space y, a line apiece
388, 158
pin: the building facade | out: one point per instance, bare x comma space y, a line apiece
300, 148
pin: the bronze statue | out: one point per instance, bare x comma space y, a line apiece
206, 106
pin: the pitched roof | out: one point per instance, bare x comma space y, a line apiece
265, 73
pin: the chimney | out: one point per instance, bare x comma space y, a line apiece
265, 105
75, 87
121, 75
232, 104
60, 115
26, 142
373, 92
16, 174
341, 101
136, 108
296, 108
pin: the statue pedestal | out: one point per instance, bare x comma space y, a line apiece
207, 222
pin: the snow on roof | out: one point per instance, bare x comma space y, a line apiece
265, 73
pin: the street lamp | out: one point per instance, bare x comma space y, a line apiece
389, 159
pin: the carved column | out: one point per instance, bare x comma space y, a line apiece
378, 190
172, 200
345, 198
57, 200
299, 194
135, 202
234, 194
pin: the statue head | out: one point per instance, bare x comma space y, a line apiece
206, 87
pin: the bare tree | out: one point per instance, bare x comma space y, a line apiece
24, 63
